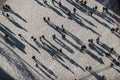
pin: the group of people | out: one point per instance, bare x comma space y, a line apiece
47, 20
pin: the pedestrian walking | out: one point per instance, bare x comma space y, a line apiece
117, 29
89, 68
74, 10
19, 35
107, 54
83, 47
63, 37
33, 57
44, 19
90, 41
7, 15
6, 37
36, 65
77, 1
43, 36
86, 67
118, 58
60, 50
34, 39
85, 2
54, 37
81, 2
111, 49
111, 64
48, 19
60, 4
98, 40
112, 30
45, 2
62, 28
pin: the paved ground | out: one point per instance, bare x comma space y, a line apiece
2, 3
27, 19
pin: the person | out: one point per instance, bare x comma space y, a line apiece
83, 47
69, 14
112, 30
34, 39
86, 67
33, 57
6, 37
117, 29
74, 10
111, 64
63, 36
96, 7
48, 19
85, 2
54, 37
107, 54
62, 28
7, 15
98, 40
81, 2
118, 58
111, 49
37, 65
20, 35
43, 36
76, 0
60, 4
89, 68
90, 40
45, 2
60, 50
44, 19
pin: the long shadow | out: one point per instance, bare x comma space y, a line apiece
46, 74
3, 28
66, 57
97, 49
58, 29
16, 24
76, 39
89, 22
55, 27
5, 76
77, 5
87, 8
13, 41
16, 14
77, 20
105, 46
54, 49
65, 66
22, 38
20, 17
117, 34
45, 68
55, 10
114, 17
72, 61
102, 23
50, 50
19, 63
73, 45
64, 45
94, 56
98, 77
40, 3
